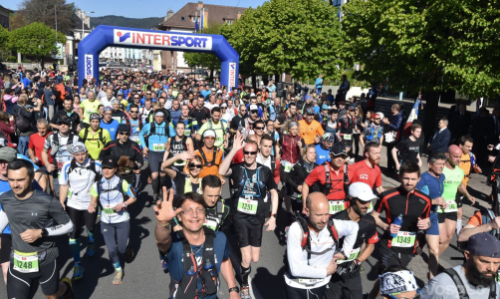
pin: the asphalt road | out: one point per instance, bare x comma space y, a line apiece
145, 278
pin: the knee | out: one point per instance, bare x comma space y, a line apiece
255, 259
434, 251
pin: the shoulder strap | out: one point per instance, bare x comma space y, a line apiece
210, 125
305, 243
333, 232
273, 164
202, 153
462, 291
328, 180
85, 135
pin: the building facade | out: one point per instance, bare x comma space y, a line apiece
185, 19
5, 17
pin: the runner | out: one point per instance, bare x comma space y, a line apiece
367, 170
346, 281
34, 254
157, 137
432, 184
309, 128
209, 249
453, 182
296, 178
108, 123
135, 123
190, 124
310, 266
89, 106
35, 149
331, 177
374, 132
77, 177
180, 143
347, 123
251, 183
94, 137
323, 149
114, 195
58, 144
409, 148
212, 156
200, 113
68, 111
184, 183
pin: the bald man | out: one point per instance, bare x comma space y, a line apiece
315, 269
453, 181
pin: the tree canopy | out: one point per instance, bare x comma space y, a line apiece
34, 39
44, 11
302, 38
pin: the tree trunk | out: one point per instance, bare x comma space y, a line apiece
254, 81
42, 62
431, 111
212, 75
277, 77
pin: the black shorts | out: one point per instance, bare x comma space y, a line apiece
347, 143
43, 170
155, 159
6, 247
25, 285
458, 199
443, 216
344, 287
248, 234
389, 257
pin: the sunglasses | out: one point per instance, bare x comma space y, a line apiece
192, 165
259, 128
254, 111
249, 153
124, 133
210, 137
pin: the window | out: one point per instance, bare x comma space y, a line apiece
229, 22
182, 18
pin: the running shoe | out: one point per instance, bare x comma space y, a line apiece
90, 249
118, 277
245, 292
70, 294
77, 272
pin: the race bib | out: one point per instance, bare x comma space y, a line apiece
159, 147
212, 224
26, 262
108, 210
352, 255
248, 205
347, 136
336, 206
288, 166
404, 239
219, 139
451, 208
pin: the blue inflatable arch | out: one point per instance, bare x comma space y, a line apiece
104, 36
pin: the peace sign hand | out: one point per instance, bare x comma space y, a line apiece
164, 210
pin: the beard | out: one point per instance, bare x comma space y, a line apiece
478, 278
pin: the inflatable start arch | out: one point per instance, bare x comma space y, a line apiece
104, 36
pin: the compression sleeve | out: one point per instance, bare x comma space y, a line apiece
4, 221
60, 229
349, 230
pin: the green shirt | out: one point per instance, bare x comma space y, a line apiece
452, 179
89, 108
219, 129
93, 142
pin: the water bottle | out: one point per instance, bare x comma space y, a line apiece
191, 272
397, 221
208, 265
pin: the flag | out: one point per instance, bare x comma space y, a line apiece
479, 103
202, 20
196, 26
413, 116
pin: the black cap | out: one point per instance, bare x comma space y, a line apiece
63, 120
123, 128
109, 162
484, 244
338, 149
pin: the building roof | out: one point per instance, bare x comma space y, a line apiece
216, 13
6, 8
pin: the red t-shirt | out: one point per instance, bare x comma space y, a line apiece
361, 172
318, 174
36, 144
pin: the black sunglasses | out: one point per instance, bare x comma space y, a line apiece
254, 111
124, 133
249, 153
192, 165
134, 111
259, 128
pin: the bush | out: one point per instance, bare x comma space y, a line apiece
12, 59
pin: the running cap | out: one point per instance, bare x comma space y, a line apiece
77, 147
123, 128
95, 116
310, 111
108, 162
484, 244
328, 137
8, 154
223, 105
107, 108
209, 133
159, 112
361, 191
397, 282
338, 149
254, 107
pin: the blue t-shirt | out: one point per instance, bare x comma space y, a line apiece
322, 155
174, 257
205, 93
112, 127
431, 186
4, 187
319, 83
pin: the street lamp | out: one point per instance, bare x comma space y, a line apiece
83, 21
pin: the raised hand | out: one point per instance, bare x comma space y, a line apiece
164, 210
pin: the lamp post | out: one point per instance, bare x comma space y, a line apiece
83, 21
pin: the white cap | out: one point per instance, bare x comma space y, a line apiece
361, 191
209, 133
223, 105
252, 94
213, 89
380, 114
254, 107
219, 91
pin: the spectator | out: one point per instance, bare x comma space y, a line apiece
319, 84
9, 100
439, 142
459, 123
343, 89
24, 123
395, 125
7, 126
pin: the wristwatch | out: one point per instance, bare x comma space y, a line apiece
45, 232
124, 206
273, 215
357, 262
234, 289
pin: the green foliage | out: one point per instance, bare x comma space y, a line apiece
302, 38
146, 23
4, 37
428, 45
205, 60
35, 39
12, 59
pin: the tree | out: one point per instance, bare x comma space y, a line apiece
426, 45
44, 11
35, 39
4, 38
205, 60
298, 37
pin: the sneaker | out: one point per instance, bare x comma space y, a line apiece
245, 292
77, 272
90, 249
118, 277
70, 294
129, 254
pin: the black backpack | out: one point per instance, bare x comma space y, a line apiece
86, 134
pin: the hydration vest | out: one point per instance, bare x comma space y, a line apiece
214, 155
187, 288
220, 212
188, 187
373, 133
328, 182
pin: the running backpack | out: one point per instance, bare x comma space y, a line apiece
118, 187
214, 156
91, 167
328, 181
86, 134
462, 291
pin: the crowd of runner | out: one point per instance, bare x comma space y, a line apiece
79, 157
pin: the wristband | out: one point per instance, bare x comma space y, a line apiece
45, 232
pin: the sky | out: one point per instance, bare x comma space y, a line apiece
140, 8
